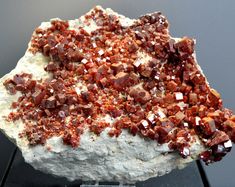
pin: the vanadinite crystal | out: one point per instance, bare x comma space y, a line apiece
137, 75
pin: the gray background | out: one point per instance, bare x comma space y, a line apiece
211, 23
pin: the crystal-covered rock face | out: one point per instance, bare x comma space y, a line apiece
104, 97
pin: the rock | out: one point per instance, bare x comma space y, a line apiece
127, 158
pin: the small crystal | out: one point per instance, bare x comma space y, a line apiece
182, 105
197, 121
122, 50
61, 114
179, 96
156, 77
101, 52
144, 123
180, 115
208, 124
51, 91
78, 90
185, 152
185, 124
228, 144
161, 114
84, 61
137, 63
151, 117
94, 45
168, 77
219, 149
153, 91
193, 98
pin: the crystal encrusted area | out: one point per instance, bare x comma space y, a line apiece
138, 77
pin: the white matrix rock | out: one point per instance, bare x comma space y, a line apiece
126, 159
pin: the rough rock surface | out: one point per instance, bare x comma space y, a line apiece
126, 158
